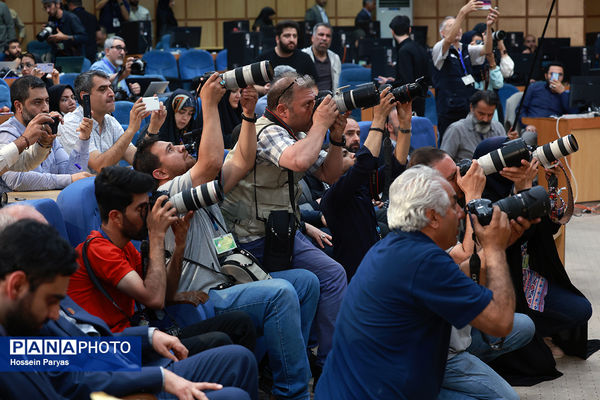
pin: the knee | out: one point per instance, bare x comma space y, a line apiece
334, 277
524, 327
228, 393
217, 339
583, 312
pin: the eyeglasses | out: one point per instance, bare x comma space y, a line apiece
119, 48
301, 81
67, 98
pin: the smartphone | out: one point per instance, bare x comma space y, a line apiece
487, 5
554, 76
152, 103
87, 107
46, 68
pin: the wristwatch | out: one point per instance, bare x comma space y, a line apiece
339, 144
249, 119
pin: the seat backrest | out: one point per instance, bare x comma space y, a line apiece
122, 110
364, 130
77, 202
353, 77
221, 61
430, 108
350, 66
423, 133
50, 210
510, 111
164, 43
86, 65
505, 92
39, 49
4, 95
68, 78
161, 63
193, 63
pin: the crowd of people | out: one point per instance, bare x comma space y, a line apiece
378, 287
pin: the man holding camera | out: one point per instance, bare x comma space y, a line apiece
282, 309
68, 36
59, 169
112, 64
290, 135
453, 74
109, 143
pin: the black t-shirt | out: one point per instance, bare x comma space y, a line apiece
323, 74
300, 61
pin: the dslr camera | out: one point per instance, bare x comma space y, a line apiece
49, 29
138, 66
513, 151
364, 96
259, 73
192, 199
411, 91
529, 204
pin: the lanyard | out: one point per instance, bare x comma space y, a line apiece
112, 67
215, 221
460, 57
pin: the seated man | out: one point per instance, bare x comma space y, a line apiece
30, 98
12, 51
462, 137
109, 143
408, 292
283, 311
39, 274
549, 97
347, 205
112, 64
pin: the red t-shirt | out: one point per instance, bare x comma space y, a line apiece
110, 264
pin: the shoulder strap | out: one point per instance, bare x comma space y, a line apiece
254, 171
229, 278
94, 278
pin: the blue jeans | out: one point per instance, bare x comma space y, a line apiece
467, 375
332, 281
282, 310
232, 366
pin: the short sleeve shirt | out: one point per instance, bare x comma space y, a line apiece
110, 264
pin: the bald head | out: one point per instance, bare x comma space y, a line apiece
17, 212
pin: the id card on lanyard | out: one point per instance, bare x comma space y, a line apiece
467, 78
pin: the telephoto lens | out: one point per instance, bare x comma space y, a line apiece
199, 197
411, 91
499, 35
259, 73
549, 153
529, 204
509, 155
364, 96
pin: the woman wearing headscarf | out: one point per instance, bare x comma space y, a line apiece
543, 289
265, 18
179, 122
165, 17
62, 99
230, 113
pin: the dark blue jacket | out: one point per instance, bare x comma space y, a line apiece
541, 102
451, 94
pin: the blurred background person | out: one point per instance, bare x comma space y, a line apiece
265, 18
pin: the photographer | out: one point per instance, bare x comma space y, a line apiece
282, 309
68, 36
290, 135
112, 64
347, 204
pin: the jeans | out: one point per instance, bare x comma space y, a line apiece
232, 366
332, 281
467, 375
282, 310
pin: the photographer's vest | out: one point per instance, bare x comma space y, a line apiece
262, 190
451, 94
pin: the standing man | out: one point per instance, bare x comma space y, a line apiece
394, 326
112, 14
7, 25
60, 169
327, 63
90, 24
138, 12
412, 61
290, 135
316, 14
365, 16
286, 51
453, 75
70, 35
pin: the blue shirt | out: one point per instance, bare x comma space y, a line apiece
541, 102
106, 66
392, 332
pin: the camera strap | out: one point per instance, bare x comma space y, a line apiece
387, 158
554, 193
474, 260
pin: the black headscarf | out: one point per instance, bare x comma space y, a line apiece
496, 186
168, 131
55, 92
263, 18
230, 118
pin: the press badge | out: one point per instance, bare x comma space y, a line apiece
224, 243
116, 23
468, 80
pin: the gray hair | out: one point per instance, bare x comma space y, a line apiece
417, 190
85, 81
320, 24
109, 42
285, 83
444, 22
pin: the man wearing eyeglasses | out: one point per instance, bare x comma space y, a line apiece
290, 136
69, 35
112, 64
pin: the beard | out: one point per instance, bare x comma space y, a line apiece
20, 321
130, 231
27, 116
289, 49
483, 127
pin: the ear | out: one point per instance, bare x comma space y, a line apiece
282, 110
115, 217
434, 218
18, 106
16, 285
160, 174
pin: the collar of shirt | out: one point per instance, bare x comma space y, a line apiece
109, 64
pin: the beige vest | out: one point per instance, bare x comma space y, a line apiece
272, 193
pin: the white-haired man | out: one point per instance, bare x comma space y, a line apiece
407, 292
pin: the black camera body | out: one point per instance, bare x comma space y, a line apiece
529, 204
154, 198
49, 29
138, 66
54, 125
411, 91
